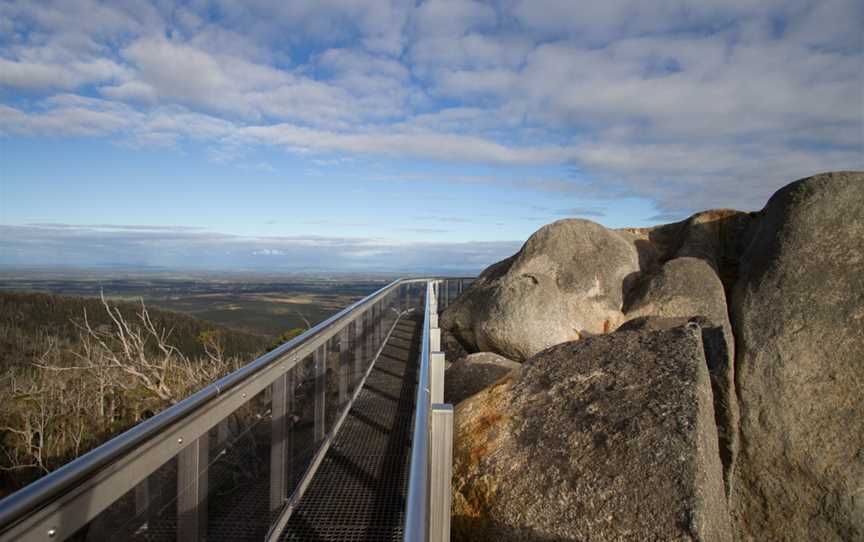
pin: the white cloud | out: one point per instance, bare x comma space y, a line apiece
472, 51
379, 23
452, 17
61, 121
601, 22
38, 75
680, 101
132, 91
181, 73
431, 145
345, 62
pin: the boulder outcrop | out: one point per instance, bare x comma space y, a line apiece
798, 316
472, 373
689, 287
566, 282
590, 437
607, 438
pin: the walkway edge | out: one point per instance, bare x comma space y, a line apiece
278, 526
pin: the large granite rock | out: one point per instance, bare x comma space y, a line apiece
607, 438
683, 286
712, 236
687, 287
469, 375
798, 315
566, 282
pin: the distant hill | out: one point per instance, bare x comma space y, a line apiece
27, 318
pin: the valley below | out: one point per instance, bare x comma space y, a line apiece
260, 304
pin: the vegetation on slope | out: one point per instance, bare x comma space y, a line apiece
78, 371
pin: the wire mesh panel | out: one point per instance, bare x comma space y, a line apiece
147, 512
302, 422
346, 380
333, 398
238, 474
214, 488
368, 339
389, 314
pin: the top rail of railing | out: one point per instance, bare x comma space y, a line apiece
417, 502
427, 514
19, 505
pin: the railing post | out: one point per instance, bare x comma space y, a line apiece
410, 296
436, 376
382, 310
192, 490
379, 324
344, 364
446, 294
370, 327
357, 348
440, 472
280, 443
434, 332
320, 362
459, 286
435, 340
433, 312
370, 335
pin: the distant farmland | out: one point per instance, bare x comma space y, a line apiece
263, 306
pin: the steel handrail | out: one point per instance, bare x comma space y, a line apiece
417, 502
42, 491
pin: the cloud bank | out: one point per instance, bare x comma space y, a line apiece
690, 104
144, 246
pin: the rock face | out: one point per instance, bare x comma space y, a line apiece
608, 438
798, 315
689, 287
470, 374
566, 282
684, 286
451, 347
712, 236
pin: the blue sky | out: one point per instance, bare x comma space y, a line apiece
403, 135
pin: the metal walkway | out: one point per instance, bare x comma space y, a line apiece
358, 492
337, 435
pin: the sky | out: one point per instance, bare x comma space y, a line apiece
400, 135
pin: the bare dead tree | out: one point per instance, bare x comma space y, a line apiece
118, 371
123, 351
305, 320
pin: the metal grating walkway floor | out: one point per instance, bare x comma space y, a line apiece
358, 492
